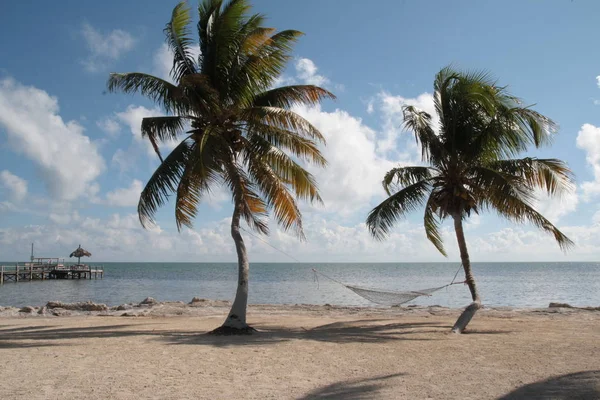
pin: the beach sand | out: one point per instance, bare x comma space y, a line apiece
302, 352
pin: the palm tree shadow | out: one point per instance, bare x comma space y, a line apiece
584, 385
358, 331
350, 390
51, 335
351, 331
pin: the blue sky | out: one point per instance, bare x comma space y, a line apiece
72, 161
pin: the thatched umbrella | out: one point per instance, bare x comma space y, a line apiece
79, 252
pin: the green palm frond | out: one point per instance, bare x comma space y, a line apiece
276, 193
178, 39
382, 218
259, 70
419, 122
282, 119
289, 172
432, 226
245, 196
163, 182
515, 209
161, 129
304, 149
405, 176
158, 90
288, 96
202, 173
550, 174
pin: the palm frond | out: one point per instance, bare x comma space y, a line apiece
432, 226
245, 196
381, 219
551, 174
485, 182
291, 173
158, 90
301, 147
288, 96
537, 127
515, 209
203, 171
163, 182
276, 193
161, 129
419, 122
260, 69
202, 98
396, 178
281, 119
178, 39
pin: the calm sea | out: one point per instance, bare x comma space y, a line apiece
500, 284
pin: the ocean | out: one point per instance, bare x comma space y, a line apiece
500, 284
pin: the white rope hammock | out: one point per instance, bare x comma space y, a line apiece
386, 297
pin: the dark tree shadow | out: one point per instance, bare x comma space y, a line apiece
353, 331
583, 385
350, 390
339, 332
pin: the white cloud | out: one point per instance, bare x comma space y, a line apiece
370, 107
163, 62
105, 48
123, 160
68, 161
125, 197
133, 116
353, 176
554, 208
109, 126
284, 80
14, 186
598, 81
63, 218
588, 139
306, 71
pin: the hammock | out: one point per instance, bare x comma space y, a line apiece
385, 297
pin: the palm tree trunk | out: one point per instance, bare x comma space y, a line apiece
470, 311
236, 320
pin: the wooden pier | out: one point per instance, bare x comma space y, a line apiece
31, 272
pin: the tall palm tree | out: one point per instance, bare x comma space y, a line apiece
241, 131
471, 166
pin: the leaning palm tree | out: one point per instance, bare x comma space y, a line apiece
241, 132
471, 166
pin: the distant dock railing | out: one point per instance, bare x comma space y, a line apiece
31, 272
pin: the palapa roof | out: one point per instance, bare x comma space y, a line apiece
80, 252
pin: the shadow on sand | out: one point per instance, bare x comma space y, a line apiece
351, 389
353, 331
583, 385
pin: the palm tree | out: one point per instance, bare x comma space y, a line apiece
471, 166
241, 131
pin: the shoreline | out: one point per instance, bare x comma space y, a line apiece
204, 307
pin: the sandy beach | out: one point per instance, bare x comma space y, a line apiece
159, 351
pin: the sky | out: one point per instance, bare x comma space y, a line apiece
73, 162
